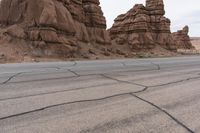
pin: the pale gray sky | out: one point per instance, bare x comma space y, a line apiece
181, 12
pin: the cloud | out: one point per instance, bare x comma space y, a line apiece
191, 19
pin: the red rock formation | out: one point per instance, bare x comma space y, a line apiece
77, 29
182, 39
155, 7
143, 27
53, 22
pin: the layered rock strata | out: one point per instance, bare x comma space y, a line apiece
77, 29
143, 27
182, 39
45, 22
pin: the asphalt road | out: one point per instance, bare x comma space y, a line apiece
159, 95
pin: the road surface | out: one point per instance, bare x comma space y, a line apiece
160, 95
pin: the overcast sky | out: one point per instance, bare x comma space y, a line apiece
181, 12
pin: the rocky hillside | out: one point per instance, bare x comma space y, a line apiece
76, 29
52, 27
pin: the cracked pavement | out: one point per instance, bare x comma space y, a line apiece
160, 95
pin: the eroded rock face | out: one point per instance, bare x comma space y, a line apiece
77, 29
64, 22
155, 7
143, 27
182, 39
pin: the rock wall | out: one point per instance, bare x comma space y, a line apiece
63, 22
182, 39
74, 29
155, 7
144, 27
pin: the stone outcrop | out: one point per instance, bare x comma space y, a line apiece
74, 29
143, 27
155, 7
182, 39
62, 23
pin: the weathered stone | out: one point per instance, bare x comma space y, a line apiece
155, 7
63, 22
77, 29
143, 27
182, 39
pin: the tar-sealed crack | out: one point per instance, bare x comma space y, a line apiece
66, 103
104, 75
75, 73
154, 105
157, 65
122, 81
56, 68
165, 112
148, 87
10, 78
99, 99
75, 89
175, 82
54, 92
81, 101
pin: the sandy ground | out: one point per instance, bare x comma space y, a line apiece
12, 51
196, 42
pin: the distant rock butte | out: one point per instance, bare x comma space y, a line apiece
182, 39
143, 27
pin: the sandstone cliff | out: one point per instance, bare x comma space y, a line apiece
144, 27
74, 29
54, 27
